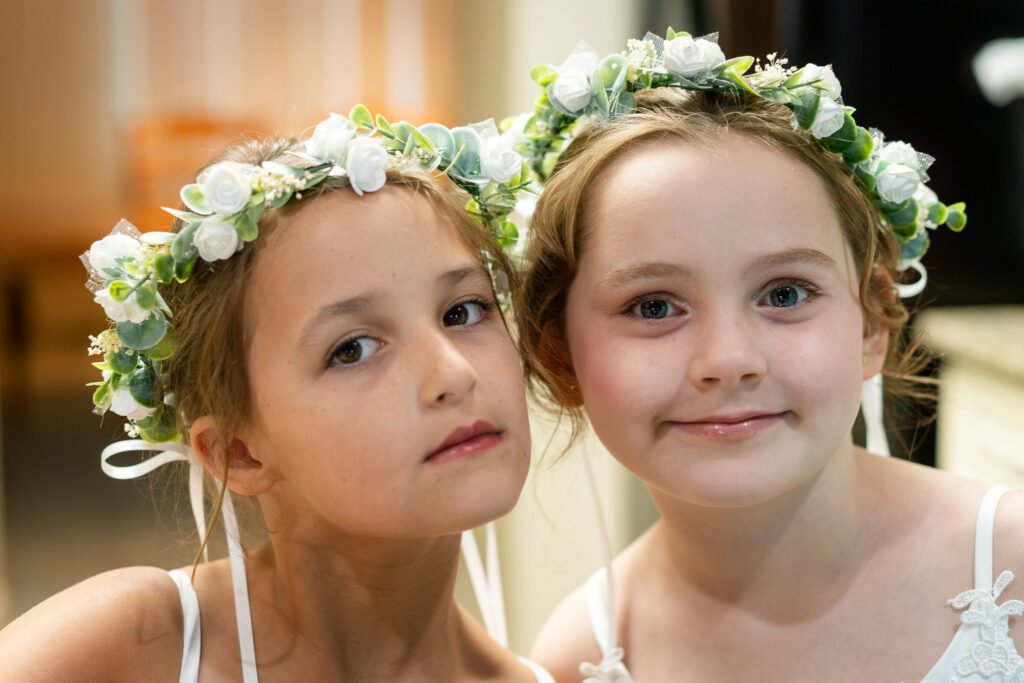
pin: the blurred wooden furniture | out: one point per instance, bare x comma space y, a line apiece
160, 155
981, 399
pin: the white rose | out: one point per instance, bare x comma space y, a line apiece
366, 166
104, 253
330, 139
827, 83
687, 57
226, 187
897, 183
572, 90
828, 119
121, 311
123, 403
499, 160
900, 153
216, 239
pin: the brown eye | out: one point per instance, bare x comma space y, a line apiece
355, 350
465, 313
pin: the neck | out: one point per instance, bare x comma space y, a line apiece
367, 609
797, 551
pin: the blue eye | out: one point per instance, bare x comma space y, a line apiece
788, 295
355, 350
466, 313
653, 308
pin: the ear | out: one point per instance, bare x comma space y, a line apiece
553, 355
246, 475
876, 334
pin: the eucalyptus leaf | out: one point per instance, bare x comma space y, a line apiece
841, 140
914, 248
186, 216
611, 68
360, 116
192, 196
102, 397
141, 336
467, 152
183, 248
161, 426
937, 213
119, 290
806, 108
145, 296
183, 269
736, 65
538, 72
142, 386
860, 150
956, 216
163, 267
441, 139
164, 349
383, 126
121, 361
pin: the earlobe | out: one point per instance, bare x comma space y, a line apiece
220, 453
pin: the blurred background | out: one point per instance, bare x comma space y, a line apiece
111, 106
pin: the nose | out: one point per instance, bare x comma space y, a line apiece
448, 376
726, 353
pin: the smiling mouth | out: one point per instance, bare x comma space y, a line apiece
729, 427
467, 441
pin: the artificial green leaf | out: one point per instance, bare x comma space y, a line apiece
185, 216
282, 199
360, 116
736, 65
192, 196
539, 71
145, 296
142, 386
384, 127
165, 347
163, 267
141, 336
161, 426
806, 108
860, 150
841, 140
914, 248
102, 396
183, 248
902, 214
956, 217
247, 223
937, 213
182, 269
866, 177
121, 361
610, 68
119, 290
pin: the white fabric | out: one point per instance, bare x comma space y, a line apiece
981, 651
876, 440
193, 635
486, 584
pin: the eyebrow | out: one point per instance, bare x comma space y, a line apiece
790, 256
361, 303
659, 269
642, 271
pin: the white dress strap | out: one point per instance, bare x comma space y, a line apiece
540, 673
596, 609
190, 613
983, 538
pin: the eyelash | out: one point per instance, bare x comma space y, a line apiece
486, 309
812, 291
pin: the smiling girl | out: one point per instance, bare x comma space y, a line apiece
711, 276
350, 370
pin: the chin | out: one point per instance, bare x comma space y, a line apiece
472, 498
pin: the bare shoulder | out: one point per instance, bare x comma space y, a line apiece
567, 639
112, 626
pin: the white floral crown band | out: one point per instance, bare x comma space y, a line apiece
585, 88
224, 207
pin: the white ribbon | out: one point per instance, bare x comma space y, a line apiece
487, 582
874, 423
609, 647
174, 451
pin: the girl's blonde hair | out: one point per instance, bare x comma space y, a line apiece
208, 372
558, 229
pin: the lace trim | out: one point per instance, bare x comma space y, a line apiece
994, 654
609, 670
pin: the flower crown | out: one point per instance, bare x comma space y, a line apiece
224, 207
585, 88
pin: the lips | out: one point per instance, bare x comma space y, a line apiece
729, 426
466, 441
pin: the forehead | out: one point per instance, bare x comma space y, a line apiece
341, 244
734, 196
